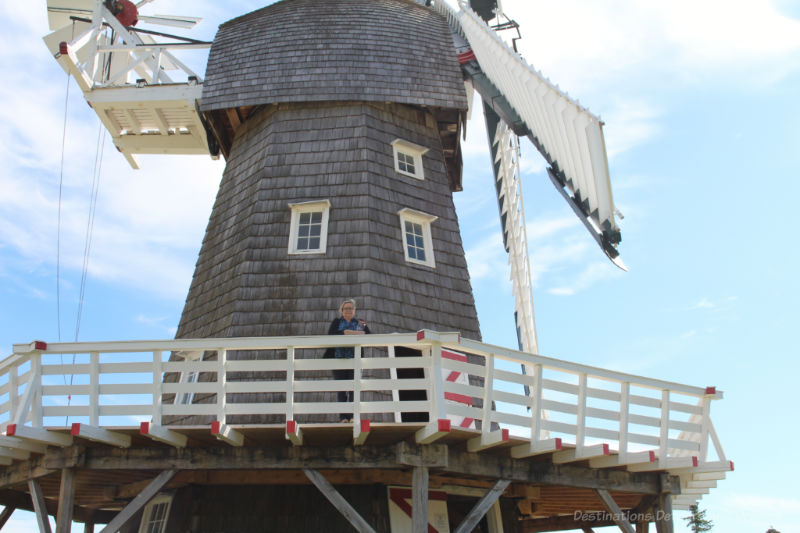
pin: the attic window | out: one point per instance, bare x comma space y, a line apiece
309, 227
155, 514
408, 158
415, 227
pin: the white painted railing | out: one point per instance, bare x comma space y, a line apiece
576, 411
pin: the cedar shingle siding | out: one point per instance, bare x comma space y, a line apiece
329, 85
313, 50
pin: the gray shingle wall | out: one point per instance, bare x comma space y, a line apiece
323, 50
247, 284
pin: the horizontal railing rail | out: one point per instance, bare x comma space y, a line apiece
575, 411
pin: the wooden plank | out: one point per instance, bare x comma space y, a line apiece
338, 501
361, 430
664, 522
616, 512
294, 433
97, 434
581, 454
139, 502
14, 453
419, 500
227, 434
482, 506
39, 506
162, 434
487, 440
631, 458
433, 431
66, 501
538, 447
39, 435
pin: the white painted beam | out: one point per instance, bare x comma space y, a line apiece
227, 434
39, 435
97, 434
487, 440
294, 433
162, 434
538, 447
586, 452
433, 431
361, 429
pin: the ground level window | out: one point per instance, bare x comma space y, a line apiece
309, 227
155, 514
416, 231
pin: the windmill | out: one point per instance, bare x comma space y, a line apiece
340, 122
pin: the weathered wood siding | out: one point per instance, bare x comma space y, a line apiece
315, 50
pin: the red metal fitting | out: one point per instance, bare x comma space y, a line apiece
144, 428
63, 49
39, 345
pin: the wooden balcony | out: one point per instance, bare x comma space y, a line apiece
479, 398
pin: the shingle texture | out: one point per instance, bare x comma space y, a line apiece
323, 50
247, 284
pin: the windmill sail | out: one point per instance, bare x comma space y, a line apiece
568, 136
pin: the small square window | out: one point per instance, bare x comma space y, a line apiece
309, 227
416, 230
155, 514
408, 158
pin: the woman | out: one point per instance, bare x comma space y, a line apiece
346, 324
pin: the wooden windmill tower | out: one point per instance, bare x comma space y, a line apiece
340, 122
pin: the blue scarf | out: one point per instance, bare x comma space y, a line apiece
346, 352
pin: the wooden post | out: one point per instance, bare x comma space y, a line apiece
94, 388
664, 433
616, 513
222, 356
338, 501
6, 514
624, 408
39, 506
357, 385
66, 501
88, 527
157, 387
290, 384
483, 505
664, 523
580, 431
419, 498
395, 393
139, 501
488, 395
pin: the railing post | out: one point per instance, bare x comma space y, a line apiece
664, 434
704, 425
395, 393
290, 383
536, 403
488, 395
624, 408
36, 390
222, 380
13, 392
157, 387
94, 388
357, 384
580, 432
438, 407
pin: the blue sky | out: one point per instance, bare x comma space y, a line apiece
702, 129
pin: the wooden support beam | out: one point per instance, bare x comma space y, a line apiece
664, 522
294, 433
433, 431
97, 434
162, 434
419, 500
88, 527
39, 435
227, 434
483, 505
139, 501
39, 506
6, 514
670, 463
631, 458
487, 440
361, 431
22, 444
586, 452
66, 501
616, 513
14, 453
338, 501
538, 447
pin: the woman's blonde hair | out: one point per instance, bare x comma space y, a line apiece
348, 301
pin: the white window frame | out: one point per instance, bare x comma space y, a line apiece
147, 514
309, 207
424, 220
192, 376
415, 151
